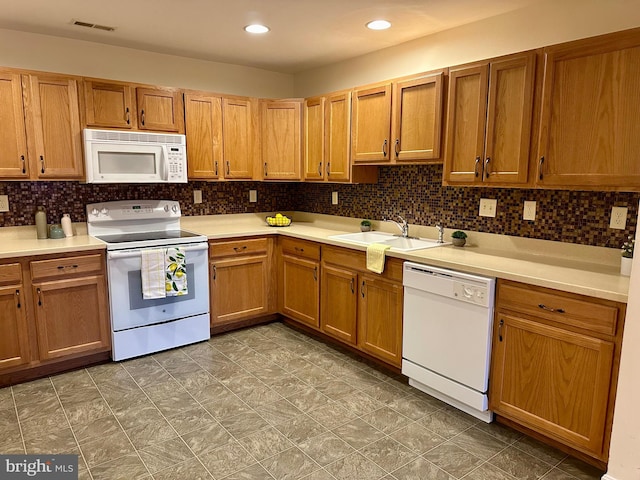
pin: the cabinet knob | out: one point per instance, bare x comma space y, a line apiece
500, 325
128, 116
41, 163
328, 169
142, 117
216, 167
540, 175
320, 169
352, 284
384, 148
475, 167
18, 298
486, 167
397, 147
228, 168
215, 272
39, 292
265, 169
362, 289
550, 309
24, 168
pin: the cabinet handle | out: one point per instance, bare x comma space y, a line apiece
38, 291
328, 169
315, 273
128, 116
397, 147
475, 167
500, 330
298, 249
540, 175
62, 267
362, 289
320, 169
228, 168
41, 163
384, 148
18, 297
549, 309
215, 166
24, 168
265, 169
142, 117
353, 280
238, 249
215, 272
486, 167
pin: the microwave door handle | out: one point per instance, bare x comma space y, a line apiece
165, 163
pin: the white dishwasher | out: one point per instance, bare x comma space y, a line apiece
446, 345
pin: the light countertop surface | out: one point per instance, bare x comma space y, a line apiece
593, 271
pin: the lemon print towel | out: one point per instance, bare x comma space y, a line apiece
152, 272
375, 257
176, 272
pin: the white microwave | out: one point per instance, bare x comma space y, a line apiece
113, 156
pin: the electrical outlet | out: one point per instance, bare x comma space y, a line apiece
4, 203
253, 196
197, 196
618, 218
334, 198
488, 207
529, 212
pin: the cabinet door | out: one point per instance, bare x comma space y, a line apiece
108, 104
13, 154
590, 120
371, 124
203, 119
53, 117
301, 290
511, 82
551, 380
238, 138
281, 140
14, 336
466, 120
380, 319
160, 109
337, 137
314, 138
417, 118
72, 316
339, 303
239, 288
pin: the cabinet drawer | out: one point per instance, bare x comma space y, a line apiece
59, 267
591, 314
357, 260
10, 273
238, 247
300, 248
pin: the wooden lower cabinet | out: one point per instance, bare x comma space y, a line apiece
555, 372
240, 280
339, 303
300, 289
14, 333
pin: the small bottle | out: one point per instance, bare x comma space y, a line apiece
41, 222
65, 221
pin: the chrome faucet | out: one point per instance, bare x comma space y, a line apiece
403, 225
440, 233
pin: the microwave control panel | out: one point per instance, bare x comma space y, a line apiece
176, 162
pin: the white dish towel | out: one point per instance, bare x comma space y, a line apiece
153, 273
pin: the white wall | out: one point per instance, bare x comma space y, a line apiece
541, 24
63, 55
624, 459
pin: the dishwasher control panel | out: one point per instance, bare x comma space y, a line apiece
471, 293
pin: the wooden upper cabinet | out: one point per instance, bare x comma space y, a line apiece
53, 120
203, 119
109, 104
371, 127
337, 136
160, 109
489, 121
13, 153
590, 120
314, 136
417, 118
239, 130
281, 140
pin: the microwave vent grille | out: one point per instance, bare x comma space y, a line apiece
136, 137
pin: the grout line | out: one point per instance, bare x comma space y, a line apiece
15, 409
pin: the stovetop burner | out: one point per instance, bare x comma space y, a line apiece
146, 236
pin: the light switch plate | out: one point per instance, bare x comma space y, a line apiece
488, 207
529, 212
334, 198
618, 218
197, 196
253, 196
4, 203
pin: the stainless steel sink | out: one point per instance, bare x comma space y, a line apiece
402, 244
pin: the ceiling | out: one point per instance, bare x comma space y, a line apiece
304, 33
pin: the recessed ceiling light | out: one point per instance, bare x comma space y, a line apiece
256, 28
378, 25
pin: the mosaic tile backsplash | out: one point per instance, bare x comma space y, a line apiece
414, 191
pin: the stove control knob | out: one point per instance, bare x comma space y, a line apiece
104, 211
175, 209
166, 208
95, 211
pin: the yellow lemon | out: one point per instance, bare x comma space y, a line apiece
167, 287
179, 274
278, 215
173, 267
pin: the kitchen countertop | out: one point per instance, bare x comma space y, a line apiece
593, 271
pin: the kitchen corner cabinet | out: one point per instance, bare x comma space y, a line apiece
13, 138
14, 334
241, 279
300, 280
489, 122
555, 364
590, 122
281, 139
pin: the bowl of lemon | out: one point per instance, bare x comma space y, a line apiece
278, 220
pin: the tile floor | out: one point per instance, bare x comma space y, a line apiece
262, 403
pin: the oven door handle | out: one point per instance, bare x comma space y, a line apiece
137, 253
